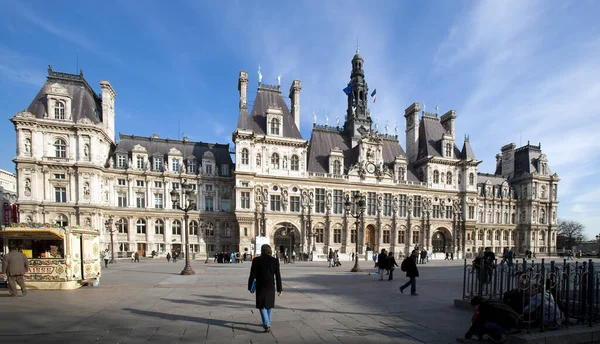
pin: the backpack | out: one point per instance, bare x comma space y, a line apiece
404, 265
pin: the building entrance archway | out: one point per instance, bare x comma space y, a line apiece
286, 239
370, 236
438, 242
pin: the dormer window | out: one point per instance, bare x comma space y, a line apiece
140, 162
245, 156
275, 124
225, 170
191, 166
209, 169
60, 148
121, 161
158, 164
337, 167
175, 165
402, 173
275, 161
448, 150
295, 163
59, 110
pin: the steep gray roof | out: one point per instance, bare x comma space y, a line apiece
467, 151
84, 101
430, 137
257, 120
494, 179
161, 147
526, 159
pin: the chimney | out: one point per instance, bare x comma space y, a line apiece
243, 88
108, 108
295, 100
498, 164
447, 121
508, 160
412, 131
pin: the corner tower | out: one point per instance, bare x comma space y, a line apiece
358, 116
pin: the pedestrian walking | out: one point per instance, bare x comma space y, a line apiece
106, 258
382, 263
168, 257
409, 265
330, 257
266, 276
136, 257
392, 265
15, 265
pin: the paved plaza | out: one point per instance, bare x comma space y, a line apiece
150, 302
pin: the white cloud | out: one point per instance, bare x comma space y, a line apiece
18, 67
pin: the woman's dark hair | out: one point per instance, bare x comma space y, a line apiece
265, 250
475, 301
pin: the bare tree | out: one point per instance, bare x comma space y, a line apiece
569, 233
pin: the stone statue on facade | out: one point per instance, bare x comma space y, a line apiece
259, 76
314, 117
337, 120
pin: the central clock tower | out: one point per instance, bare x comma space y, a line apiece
358, 116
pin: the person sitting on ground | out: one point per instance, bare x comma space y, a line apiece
492, 318
533, 311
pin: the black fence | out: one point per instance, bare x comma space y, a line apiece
547, 295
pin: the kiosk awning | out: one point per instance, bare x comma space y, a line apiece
20, 233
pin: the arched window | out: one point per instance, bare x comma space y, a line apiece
60, 148
121, 226
258, 160
159, 227
449, 178
140, 226
337, 167
471, 179
448, 150
275, 126
295, 163
193, 228
245, 156
176, 227
59, 110
480, 235
436, 177
275, 161
62, 220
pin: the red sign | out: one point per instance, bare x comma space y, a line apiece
6, 214
15, 213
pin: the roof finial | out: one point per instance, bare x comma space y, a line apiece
357, 44
326, 119
279, 80
259, 76
337, 120
386, 127
424, 107
314, 117
437, 108
396, 129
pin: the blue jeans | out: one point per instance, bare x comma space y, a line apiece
265, 314
413, 285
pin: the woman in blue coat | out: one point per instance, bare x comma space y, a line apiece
265, 270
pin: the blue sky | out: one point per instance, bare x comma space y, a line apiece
515, 71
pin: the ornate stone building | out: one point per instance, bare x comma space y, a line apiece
283, 189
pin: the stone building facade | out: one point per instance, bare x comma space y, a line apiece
282, 189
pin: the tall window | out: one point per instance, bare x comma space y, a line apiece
158, 201
245, 200
449, 178
60, 148
275, 126
295, 204
417, 206
175, 165
337, 236
319, 236
140, 162
121, 161
275, 203
337, 167
245, 156
140, 200
225, 204
121, 226
448, 150
449, 211
371, 203
159, 227
295, 163
338, 201
436, 177
225, 170
471, 179
387, 204
60, 194
275, 161
258, 160
320, 201
191, 166
401, 237
436, 211
193, 228
122, 199
59, 110
226, 230
62, 221
471, 212
402, 173
208, 203
140, 226
402, 208
415, 237
176, 227
210, 230
158, 164
386, 236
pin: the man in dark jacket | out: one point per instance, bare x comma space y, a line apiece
382, 263
410, 266
391, 264
263, 269
15, 265
493, 318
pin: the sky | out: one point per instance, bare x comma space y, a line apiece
514, 71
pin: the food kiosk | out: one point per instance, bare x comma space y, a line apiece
59, 257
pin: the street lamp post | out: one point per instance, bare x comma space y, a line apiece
188, 196
206, 229
359, 211
111, 230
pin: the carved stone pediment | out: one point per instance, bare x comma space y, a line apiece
57, 89
25, 114
139, 148
174, 151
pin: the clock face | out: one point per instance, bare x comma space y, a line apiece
371, 168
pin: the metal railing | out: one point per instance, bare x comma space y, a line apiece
546, 295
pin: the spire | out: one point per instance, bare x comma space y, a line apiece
467, 151
357, 111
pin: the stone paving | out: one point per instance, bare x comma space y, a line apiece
150, 302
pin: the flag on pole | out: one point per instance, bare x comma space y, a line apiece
374, 95
348, 89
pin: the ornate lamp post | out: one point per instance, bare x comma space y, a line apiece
111, 230
206, 229
359, 211
188, 195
